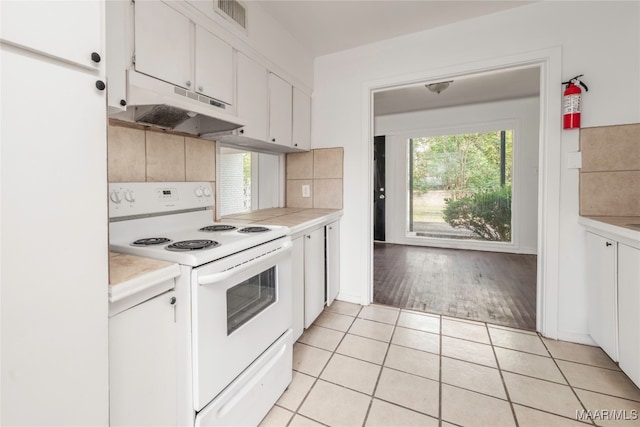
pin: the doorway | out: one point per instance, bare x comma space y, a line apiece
461, 182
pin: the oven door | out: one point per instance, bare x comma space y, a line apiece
241, 305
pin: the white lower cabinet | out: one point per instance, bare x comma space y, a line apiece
314, 275
333, 260
628, 312
142, 364
297, 281
613, 280
602, 293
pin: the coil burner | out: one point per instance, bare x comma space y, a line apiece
218, 227
253, 230
150, 241
192, 245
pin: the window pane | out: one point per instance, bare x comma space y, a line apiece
235, 182
460, 186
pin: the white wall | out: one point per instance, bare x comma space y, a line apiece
603, 43
522, 114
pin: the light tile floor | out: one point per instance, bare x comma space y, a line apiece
380, 366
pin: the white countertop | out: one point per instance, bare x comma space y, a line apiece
299, 220
616, 227
130, 275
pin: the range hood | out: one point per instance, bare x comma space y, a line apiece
160, 104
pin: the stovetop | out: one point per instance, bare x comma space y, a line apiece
176, 227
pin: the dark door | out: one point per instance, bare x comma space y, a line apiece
378, 188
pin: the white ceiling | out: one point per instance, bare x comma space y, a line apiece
333, 25
473, 89
326, 26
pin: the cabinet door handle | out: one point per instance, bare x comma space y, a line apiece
95, 57
608, 243
172, 301
188, 83
100, 85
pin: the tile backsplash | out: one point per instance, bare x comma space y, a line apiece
136, 154
610, 173
322, 171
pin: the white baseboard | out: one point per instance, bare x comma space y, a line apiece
576, 337
354, 299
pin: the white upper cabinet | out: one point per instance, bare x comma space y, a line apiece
170, 47
280, 110
252, 98
68, 30
301, 120
213, 66
163, 43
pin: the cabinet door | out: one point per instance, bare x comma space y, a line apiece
252, 99
280, 108
301, 120
313, 276
54, 317
297, 281
162, 43
214, 67
629, 315
602, 295
333, 261
69, 30
142, 364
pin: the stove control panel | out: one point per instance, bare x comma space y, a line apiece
147, 198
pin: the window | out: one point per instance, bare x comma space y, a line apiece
248, 180
460, 186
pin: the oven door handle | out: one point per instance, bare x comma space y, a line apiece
213, 278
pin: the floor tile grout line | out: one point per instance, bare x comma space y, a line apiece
567, 380
317, 378
504, 384
384, 359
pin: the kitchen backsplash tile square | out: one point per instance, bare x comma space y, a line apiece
200, 159
294, 193
165, 157
610, 173
610, 148
610, 193
126, 154
300, 165
327, 163
327, 193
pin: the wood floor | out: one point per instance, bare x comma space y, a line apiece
492, 287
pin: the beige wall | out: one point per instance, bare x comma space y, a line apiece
322, 170
610, 173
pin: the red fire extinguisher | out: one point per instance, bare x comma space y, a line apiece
572, 102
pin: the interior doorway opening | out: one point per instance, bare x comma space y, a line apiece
460, 180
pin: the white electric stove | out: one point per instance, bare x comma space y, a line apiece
233, 298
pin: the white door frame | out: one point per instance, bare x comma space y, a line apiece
550, 63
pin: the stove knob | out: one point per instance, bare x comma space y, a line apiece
198, 192
114, 196
129, 197
207, 192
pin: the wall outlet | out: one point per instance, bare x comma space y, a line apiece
306, 191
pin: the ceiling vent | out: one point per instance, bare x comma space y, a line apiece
233, 11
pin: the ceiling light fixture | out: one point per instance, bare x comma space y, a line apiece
439, 86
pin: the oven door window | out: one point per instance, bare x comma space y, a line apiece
247, 299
